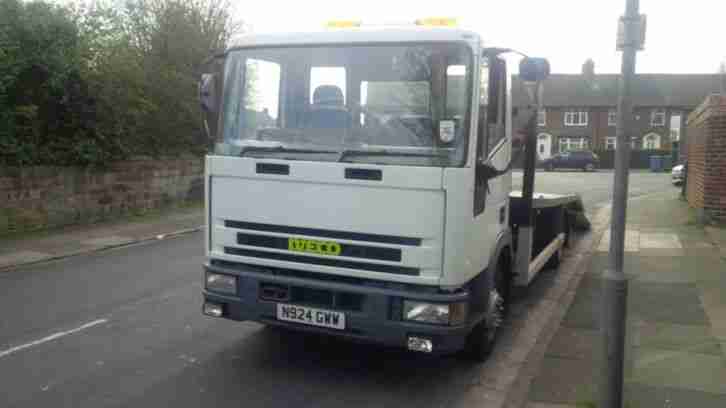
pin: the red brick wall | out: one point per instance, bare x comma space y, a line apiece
34, 198
706, 185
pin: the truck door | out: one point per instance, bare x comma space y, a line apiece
493, 147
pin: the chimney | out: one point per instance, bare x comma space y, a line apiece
588, 70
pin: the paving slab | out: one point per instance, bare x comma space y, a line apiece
584, 312
565, 380
632, 241
113, 240
647, 396
678, 369
659, 240
662, 252
669, 336
714, 302
678, 303
575, 343
16, 257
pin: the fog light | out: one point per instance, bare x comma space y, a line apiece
218, 282
212, 309
420, 344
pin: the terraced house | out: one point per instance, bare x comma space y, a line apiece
580, 110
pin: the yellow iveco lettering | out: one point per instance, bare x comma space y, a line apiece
296, 244
313, 246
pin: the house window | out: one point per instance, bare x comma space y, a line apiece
657, 117
576, 118
611, 143
572, 143
612, 117
651, 141
542, 117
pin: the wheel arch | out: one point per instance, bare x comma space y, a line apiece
481, 285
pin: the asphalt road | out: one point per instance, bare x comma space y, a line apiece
595, 188
124, 328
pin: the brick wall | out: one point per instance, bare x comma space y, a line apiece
706, 186
33, 198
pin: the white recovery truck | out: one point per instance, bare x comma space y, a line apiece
360, 186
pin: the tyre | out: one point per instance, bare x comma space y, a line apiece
549, 167
481, 340
589, 167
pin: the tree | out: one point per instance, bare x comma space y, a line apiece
95, 82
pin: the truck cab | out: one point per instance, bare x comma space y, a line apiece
348, 191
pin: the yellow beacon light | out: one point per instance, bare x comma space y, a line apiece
437, 22
343, 24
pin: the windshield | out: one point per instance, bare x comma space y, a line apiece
399, 104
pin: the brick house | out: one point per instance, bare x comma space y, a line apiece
580, 110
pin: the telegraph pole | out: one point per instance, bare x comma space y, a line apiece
631, 36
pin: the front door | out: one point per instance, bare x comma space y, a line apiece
544, 146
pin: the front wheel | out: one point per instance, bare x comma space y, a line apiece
589, 167
481, 340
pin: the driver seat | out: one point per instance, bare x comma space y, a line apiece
328, 110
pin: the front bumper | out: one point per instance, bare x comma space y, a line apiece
374, 316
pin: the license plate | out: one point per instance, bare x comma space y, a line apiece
311, 316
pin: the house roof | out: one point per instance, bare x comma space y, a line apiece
653, 90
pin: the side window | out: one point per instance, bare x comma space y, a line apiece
498, 103
456, 91
262, 85
481, 150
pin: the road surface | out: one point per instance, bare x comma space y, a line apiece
595, 188
123, 328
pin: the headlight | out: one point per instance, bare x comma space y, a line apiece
435, 313
222, 283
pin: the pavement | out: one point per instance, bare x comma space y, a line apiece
56, 244
120, 324
676, 316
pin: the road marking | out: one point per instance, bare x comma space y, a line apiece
51, 337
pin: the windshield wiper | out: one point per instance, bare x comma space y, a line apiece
280, 149
383, 152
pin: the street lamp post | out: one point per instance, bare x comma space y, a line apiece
631, 36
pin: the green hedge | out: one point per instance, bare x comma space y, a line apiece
92, 85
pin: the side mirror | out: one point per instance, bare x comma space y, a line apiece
208, 93
534, 69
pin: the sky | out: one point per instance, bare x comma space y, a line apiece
682, 36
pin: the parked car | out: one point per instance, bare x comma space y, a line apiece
677, 174
577, 159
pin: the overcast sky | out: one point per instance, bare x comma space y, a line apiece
683, 36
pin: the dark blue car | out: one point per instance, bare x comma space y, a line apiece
576, 159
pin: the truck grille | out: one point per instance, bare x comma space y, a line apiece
326, 252
315, 232
347, 250
340, 263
